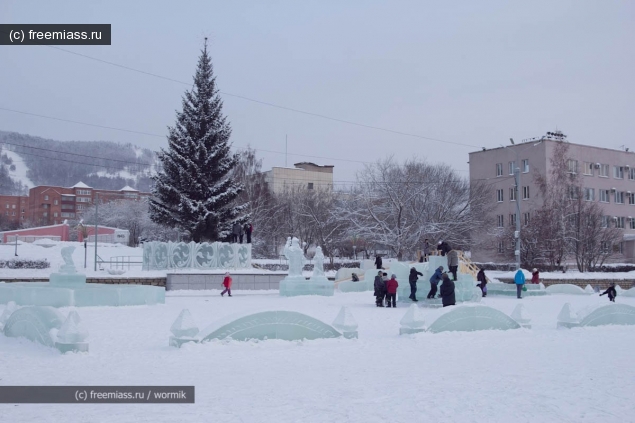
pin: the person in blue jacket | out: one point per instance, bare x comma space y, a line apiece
434, 281
519, 279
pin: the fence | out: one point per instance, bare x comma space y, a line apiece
32, 238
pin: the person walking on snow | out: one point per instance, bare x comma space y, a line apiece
378, 262
482, 279
391, 291
453, 262
227, 283
535, 276
413, 283
519, 280
611, 291
380, 290
434, 281
447, 291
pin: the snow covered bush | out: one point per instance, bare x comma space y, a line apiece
24, 264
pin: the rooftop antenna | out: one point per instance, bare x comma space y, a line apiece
511, 140
286, 149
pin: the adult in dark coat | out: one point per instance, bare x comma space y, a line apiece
611, 292
413, 283
482, 279
236, 232
378, 262
447, 291
380, 290
248, 229
434, 281
443, 247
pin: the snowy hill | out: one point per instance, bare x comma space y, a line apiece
27, 161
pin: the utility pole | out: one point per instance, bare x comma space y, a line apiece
286, 149
96, 228
517, 234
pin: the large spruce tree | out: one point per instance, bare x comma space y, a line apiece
193, 190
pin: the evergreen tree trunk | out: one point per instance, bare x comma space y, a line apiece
193, 190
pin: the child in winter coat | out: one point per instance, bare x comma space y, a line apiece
535, 276
611, 291
391, 291
380, 290
482, 279
227, 283
434, 281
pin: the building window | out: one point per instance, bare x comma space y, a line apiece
620, 222
501, 247
605, 247
618, 172
589, 194
83, 200
56, 202
618, 248
572, 166
631, 198
13, 206
604, 170
588, 168
574, 192
512, 220
45, 214
8, 206
55, 214
46, 198
619, 197
631, 174
12, 213
632, 223
499, 195
68, 207
80, 207
512, 194
604, 195
68, 214
526, 166
83, 192
605, 222
310, 185
512, 167
500, 221
526, 193
499, 169
526, 218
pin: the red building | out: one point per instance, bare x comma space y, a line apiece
51, 205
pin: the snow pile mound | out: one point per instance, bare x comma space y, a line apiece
45, 241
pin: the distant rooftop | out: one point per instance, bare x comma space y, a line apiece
81, 185
128, 188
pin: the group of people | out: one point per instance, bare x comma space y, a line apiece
386, 289
239, 232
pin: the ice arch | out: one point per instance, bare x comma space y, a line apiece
286, 325
610, 314
472, 318
35, 324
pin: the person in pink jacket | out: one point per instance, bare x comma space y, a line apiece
227, 283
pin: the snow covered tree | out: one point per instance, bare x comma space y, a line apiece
193, 190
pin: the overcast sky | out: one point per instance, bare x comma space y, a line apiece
469, 72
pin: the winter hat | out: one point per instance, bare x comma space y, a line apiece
440, 242
379, 273
534, 270
441, 268
394, 276
226, 273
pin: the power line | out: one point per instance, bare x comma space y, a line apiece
265, 103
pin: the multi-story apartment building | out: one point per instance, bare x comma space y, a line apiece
607, 177
51, 205
305, 175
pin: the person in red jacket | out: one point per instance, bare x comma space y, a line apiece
391, 291
227, 283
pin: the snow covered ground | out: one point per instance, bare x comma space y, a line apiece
538, 375
570, 274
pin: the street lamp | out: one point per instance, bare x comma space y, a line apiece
517, 189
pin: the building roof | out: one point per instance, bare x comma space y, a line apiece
80, 184
128, 188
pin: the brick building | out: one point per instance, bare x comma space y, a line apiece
607, 177
51, 205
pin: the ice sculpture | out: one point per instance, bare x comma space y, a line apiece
629, 292
192, 255
286, 325
295, 283
35, 324
183, 329
318, 267
468, 318
565, 288
567, 318
521, 316
69, 288
10, 308
509, 289
609, 314
72, 336
346, 323
412, 321
589, 289
618, 290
